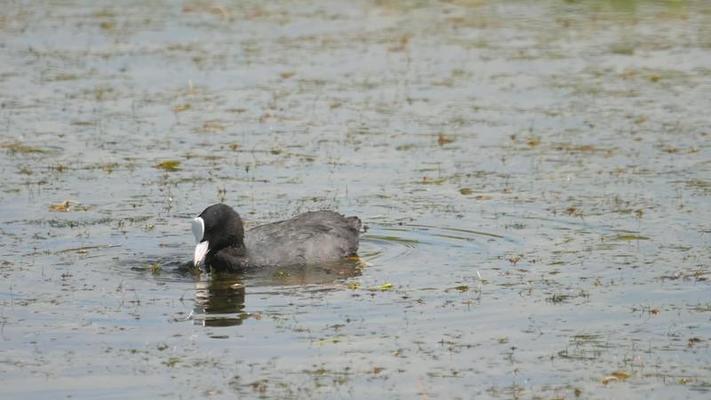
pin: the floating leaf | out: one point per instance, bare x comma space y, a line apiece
615, 376
514, 259
405, 147
426, 180
330, 340
383, 288
443, 139
182, 107
213, 127
67, 205
574, 212
609, 379
16, 147
169, 165
533, 141
107, 25
629, 237
60, 207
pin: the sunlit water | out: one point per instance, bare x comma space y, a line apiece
534, 176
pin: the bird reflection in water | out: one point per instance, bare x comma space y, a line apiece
220, 298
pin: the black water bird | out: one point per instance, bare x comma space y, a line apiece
309, 238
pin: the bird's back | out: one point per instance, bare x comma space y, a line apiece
312, 237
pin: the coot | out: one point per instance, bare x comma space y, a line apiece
312, 237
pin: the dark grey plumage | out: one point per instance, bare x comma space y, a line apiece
309, 238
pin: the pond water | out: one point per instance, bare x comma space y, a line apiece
535, 176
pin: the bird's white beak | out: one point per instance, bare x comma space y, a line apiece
200, 253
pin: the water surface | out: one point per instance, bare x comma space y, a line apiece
535, 177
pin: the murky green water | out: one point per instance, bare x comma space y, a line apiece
536, 177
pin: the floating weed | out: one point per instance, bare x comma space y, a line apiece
101, 93
281, 275
701, 307
461, 288
107, 25
584, 148
107, 167
60, 207
699, 185
558, 298
387, 286
405, 147
85, 249
172, 362
574, 212
181, 107
615, 377
401, 44
105, 13
83, 123
155, 268
466, 191
353, 285
59, 168
330, 340
627, 237
514, 259
64, 77
212, 127
533, 141
168, 165
625, 49
443, 139
66, 206
426, 180
20, 148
